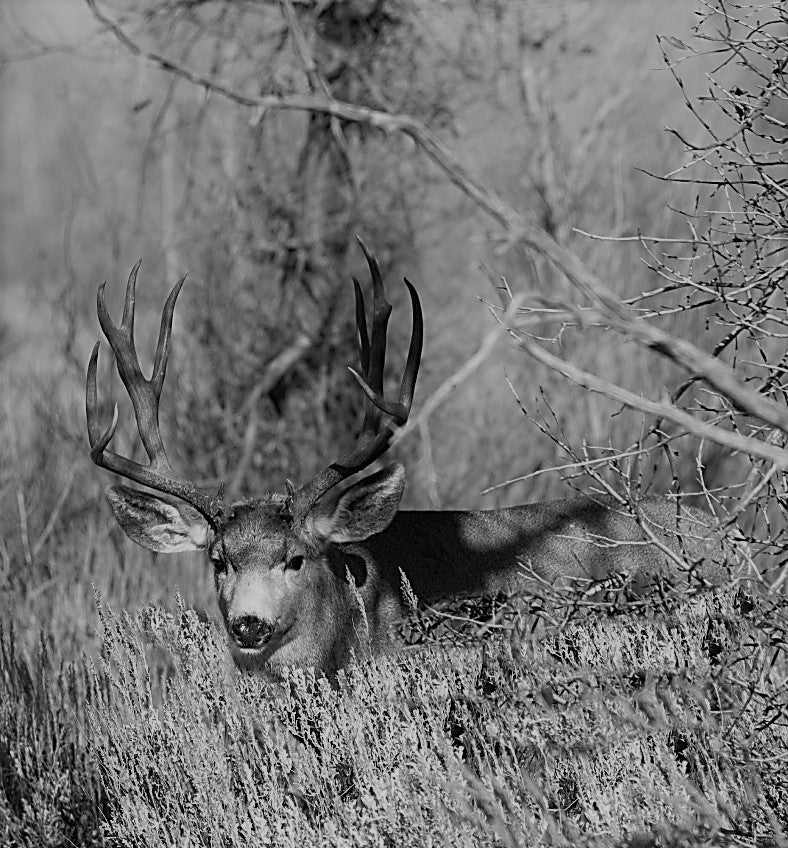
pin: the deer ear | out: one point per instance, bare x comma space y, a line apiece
158, 525
366, 508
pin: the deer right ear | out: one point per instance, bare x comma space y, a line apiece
158, 525
366, 508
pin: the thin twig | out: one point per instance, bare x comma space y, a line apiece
280, 365
55, 514
23, 528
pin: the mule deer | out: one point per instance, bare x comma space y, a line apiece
293, 570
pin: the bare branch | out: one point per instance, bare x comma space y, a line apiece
664, 409
709, 368
316, 80
443, 391
277, 368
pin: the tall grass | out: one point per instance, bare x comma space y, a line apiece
607, 731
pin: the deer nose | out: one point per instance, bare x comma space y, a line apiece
249, 631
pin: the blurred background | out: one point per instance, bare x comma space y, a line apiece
559, 107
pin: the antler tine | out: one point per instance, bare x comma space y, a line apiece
373, 441
400, 410
411, 372
381, 310
361, 326
97, 437
144, 394
127, 322
165, 337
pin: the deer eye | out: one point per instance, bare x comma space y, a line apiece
294, 563
220, 566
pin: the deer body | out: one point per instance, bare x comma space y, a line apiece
314, 575
519, 550
464, 554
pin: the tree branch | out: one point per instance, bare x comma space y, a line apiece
726, 438
519, 230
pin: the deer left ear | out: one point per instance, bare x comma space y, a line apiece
157, 524
363, 510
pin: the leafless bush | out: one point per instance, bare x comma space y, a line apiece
726, 273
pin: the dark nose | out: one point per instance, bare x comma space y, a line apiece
249, 631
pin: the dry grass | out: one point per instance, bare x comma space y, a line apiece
609, 731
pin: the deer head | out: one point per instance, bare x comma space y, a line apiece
287, 574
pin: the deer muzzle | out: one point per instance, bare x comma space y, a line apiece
249, 631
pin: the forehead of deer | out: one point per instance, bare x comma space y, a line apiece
256, 521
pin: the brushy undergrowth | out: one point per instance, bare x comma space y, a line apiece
613, 730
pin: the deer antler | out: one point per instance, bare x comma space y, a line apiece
144, 394
374, 440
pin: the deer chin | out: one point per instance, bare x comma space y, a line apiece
271, 660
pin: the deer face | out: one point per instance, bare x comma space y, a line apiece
283, 585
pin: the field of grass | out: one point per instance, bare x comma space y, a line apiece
610, 731
122, 722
